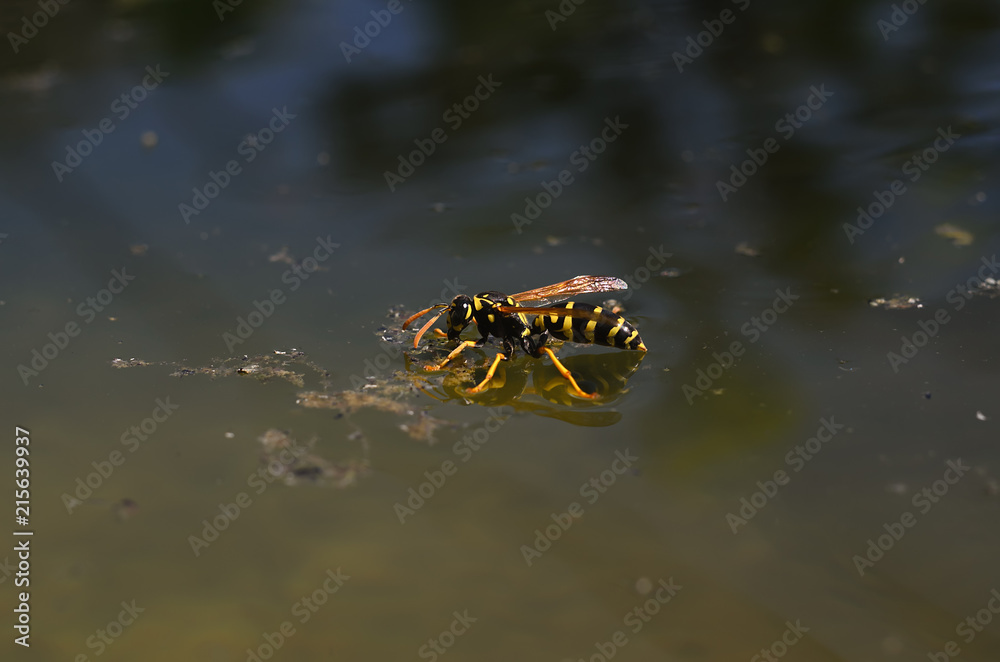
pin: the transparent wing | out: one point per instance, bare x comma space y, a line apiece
571, 287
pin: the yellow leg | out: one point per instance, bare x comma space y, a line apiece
441, 334
455, 352
489, 375
566, 373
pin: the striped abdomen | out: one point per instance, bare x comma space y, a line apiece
605, 328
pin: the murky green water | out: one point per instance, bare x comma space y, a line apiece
788, 468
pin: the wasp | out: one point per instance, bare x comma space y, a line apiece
502, 316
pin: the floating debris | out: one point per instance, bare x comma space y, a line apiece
981, 416
424, 427
381, 395
138, 249
896, 302
265, 373
294, 464
744, 248
263, 368
398, 311
282, 256
351, 401
989, 287
958, 236
286, 256
129, 363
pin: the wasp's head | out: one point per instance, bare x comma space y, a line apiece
459, 315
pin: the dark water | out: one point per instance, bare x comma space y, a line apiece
756, 186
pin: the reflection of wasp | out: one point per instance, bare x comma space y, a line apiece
538, 388
502, 316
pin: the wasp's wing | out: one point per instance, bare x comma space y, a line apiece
571, 287
584, 313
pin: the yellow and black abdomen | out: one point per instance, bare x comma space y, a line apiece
602, 328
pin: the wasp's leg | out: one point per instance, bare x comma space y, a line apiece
440, 334
566, 373
478, 388
455, 352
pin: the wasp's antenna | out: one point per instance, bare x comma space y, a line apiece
422, 313
429, 324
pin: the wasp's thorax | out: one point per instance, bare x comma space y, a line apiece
459, 315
